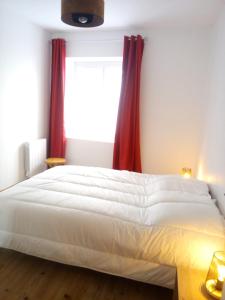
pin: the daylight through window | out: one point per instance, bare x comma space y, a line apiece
92, 98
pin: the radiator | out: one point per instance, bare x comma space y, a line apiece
35, 155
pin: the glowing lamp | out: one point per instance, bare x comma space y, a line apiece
186, 172
216, 275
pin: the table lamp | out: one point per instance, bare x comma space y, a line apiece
186, 172
216, 275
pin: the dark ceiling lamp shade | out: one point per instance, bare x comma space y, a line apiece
83, 13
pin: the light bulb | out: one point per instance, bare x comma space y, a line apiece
83, 19
221, 272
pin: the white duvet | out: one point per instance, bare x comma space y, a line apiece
117, 222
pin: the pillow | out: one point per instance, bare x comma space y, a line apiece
217, 192
178, 183
176, 196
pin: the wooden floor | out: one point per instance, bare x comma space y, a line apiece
24, 277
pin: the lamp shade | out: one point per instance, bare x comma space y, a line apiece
186, 172
216, 275
82, 13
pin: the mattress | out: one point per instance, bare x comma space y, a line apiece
138, 226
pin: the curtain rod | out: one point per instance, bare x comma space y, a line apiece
96, 41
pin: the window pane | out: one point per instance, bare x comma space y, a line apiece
92, 98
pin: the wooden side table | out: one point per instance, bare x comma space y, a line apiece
190, 284
55, 161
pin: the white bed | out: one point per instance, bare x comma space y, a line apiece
133, 225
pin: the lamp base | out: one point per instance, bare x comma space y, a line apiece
211, 287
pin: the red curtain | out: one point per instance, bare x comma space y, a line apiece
127, 154
57, 141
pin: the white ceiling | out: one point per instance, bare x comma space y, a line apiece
125, 13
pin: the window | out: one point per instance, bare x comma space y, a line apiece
92, 98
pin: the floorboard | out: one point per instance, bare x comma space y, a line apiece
24, 277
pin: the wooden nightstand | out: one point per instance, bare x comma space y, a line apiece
190, 284
55, 161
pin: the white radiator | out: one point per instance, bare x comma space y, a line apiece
35, 155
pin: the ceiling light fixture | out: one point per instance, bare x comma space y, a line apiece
83, 13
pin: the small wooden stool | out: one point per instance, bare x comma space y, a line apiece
55, 161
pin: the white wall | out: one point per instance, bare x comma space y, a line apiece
89, 153
212, 159
24, 91
175, 80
